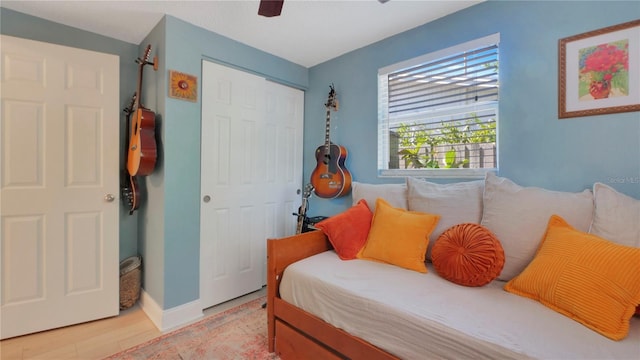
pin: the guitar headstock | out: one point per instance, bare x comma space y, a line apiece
145, 57
147, 52
332, 101
144, 60
307, 190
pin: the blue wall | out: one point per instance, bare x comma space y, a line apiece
536, 148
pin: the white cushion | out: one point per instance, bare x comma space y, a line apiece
616, 217
456, 203
394, 194
518, 216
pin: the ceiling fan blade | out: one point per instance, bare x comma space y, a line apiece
270, 8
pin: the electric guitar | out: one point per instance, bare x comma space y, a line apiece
302, 210
330, 178
129, 184
142, 145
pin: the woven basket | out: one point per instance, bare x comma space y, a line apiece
130, 277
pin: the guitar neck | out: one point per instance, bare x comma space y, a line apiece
327, 138
142, 62
139, 89
331, 103
301, 216
302, 211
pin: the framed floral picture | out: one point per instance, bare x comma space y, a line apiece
183, 86
600, 71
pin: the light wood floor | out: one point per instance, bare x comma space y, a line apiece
96, 339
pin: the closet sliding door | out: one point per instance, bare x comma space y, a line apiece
251, 169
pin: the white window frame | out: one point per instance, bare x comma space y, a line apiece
383, 116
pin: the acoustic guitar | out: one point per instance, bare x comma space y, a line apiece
330, 178
129, 184
142, 145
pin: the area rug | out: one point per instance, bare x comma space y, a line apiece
237, 333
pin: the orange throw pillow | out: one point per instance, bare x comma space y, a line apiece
468, 254
348, 230
580, 275
399, 237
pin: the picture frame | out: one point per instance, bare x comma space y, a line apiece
183, 86
599, 71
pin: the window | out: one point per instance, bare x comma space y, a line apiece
438, 113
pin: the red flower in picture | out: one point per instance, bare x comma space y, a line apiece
604, 67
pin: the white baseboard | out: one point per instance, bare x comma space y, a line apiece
172, 318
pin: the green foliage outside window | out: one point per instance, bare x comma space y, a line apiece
421, 147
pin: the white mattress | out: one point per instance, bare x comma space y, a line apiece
421, 316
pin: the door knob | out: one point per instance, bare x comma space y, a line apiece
109, 197
206, 198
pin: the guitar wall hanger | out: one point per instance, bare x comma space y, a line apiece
144, 62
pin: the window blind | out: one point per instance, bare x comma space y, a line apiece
460, 79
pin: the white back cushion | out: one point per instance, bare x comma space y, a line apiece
518, 216
456, 203
394, 194
616, 217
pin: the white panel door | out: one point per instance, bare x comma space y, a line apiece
59, 181
251, 170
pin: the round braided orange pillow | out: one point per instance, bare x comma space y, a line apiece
468, 254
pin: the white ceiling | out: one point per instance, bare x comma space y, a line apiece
308, 32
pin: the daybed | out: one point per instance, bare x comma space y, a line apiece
323, 307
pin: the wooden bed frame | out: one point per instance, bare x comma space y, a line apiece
294, 333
